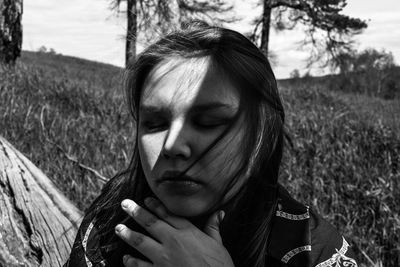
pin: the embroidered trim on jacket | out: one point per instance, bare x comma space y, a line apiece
294, 217
339, 258
294, 252
84, 243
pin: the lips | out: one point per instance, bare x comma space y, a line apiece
176, 176
176, 183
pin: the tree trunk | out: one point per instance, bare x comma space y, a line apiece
130, 45
38, 224
266, 22
10, 30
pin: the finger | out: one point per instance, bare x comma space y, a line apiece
161, 211
130, 261
212, 226
144, 244
151, 223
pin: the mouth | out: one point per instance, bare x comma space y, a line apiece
179, 184
176, 176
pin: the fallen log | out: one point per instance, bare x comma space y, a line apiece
38, 223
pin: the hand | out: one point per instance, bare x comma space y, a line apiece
175, 241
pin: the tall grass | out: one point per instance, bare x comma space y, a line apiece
348, 169
67, 118
68, 115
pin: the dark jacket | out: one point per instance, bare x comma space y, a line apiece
299, 237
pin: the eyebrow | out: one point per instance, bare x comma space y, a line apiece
197, 108
211, 106
153, 109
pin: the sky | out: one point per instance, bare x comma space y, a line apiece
89, 29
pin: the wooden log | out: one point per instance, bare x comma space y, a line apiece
38, 223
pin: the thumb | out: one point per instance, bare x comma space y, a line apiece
212, 226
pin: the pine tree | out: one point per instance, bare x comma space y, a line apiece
154, 17
327, 30
10, 30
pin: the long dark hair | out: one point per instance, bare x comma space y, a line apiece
260, 104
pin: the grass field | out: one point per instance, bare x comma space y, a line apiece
69, 117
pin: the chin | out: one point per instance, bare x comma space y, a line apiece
186, 208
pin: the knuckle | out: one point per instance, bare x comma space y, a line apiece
150, 220
164, 257
162, 213
213, 228
158, 208
137, 240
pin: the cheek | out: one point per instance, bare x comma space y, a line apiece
150, 147
226, 159
232, 165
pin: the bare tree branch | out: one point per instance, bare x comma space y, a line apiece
327, 30
156, 17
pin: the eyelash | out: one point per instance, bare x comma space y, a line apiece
152, 126
155, 126
211, 125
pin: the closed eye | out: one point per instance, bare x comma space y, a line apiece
154, 125
211, 122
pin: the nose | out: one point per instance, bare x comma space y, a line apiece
177, 142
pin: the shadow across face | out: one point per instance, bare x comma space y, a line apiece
186, 106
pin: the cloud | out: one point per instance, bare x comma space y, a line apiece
89, 29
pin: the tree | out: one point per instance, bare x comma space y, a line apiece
369, 72
373, 69
295, 74
153, 17
10, 30
321, 17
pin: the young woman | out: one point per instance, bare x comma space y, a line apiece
202, 187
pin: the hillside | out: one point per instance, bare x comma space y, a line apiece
69, 117
66, 113
371, 110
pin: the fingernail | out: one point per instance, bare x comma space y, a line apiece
126, 258
125, 204
221, 215
119, 228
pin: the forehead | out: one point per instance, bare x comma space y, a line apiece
185, 82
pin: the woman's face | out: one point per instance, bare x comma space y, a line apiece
186, 104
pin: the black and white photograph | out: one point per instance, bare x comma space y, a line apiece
194, 133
